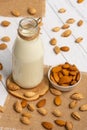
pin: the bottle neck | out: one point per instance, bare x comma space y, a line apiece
28, 29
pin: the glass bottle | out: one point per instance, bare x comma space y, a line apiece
28, 54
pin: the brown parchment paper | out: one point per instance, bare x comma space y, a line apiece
10, 120
6, 6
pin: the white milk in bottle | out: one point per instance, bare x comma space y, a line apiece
28, 54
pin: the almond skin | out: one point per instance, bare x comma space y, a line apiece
5, 39
79, 39
41, 103
47, 125
66, 33
55, 92
56, 50
1, 66
70, 21
5, 23
64, 48
15, 13
25, 120
3, 46
32, 10
65, 26
60, 122
57, 101
80, 23
62, 10
80, 1
55, 29
53, 41
24, 103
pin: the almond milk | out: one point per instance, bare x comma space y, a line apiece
27, 56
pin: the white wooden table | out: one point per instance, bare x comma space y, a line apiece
78, 52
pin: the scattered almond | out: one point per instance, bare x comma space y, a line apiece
83, 107
80, 1
55, 29
57, 100
5, 39
55, 92
64, 48
80, 23
66, 33
5, 23
32, 10
42, 111
29, 94
3, 46
65, 26
79, 39
70, 21
25, 120
69, 125
1, 109
62, 10
77, 96
73, 104
18, 106
26, 114
31, 107
1, 66
56, 49
53, 41
24, 103
65, 80
57, 113
47, 125
41, 103
12, 86
15, 13
75, 115
60, 122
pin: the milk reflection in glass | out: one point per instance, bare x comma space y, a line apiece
27, 55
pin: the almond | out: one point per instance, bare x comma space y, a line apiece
62, 10
78, 76
79, 39
18, 107
80, 1
80, 23
56, 69
77, 96
47, 125
56, 49
42, 111
24, 103
5, 23
70, 21
5, 39
15, 13
1, 66
26, 114
31, 107
32, 10
29, 94
3, 46
41, 103
69, 125
12, 86
55, 92
64, 48
66, 65
25, 120
1, 109
83, 107
55, 29
75, 115
53, 41
57, 113
57, 101
60, 122
66, 33
65, 79
65, 26
73, 104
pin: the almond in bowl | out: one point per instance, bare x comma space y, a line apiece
64, 77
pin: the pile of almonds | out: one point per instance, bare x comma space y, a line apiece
65, 74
